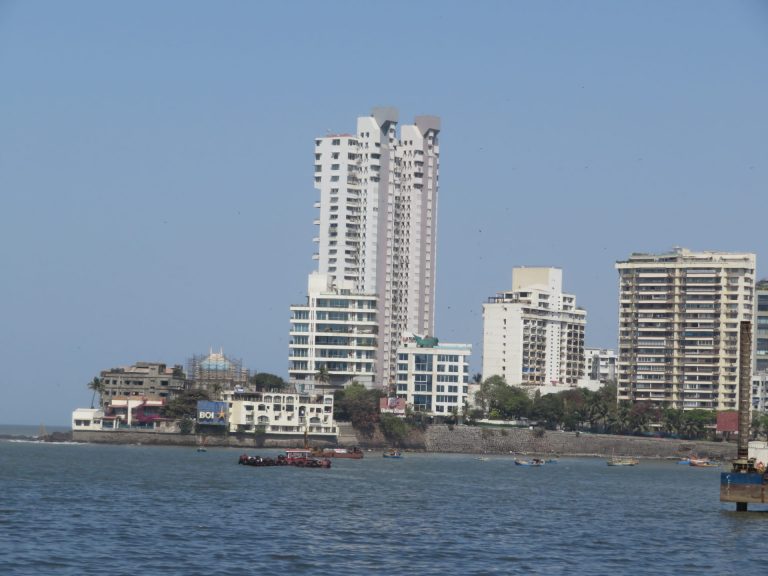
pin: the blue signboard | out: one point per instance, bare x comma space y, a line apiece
211, 413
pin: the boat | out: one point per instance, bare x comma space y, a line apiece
533, 462
353, 453
392, 453
298, 457
703, 463
622, 461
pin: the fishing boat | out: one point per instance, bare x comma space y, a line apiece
533, 462
392, 453
299, 457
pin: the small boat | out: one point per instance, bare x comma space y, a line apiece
392, 453
622, 461
533, 462
483, 458
703, 463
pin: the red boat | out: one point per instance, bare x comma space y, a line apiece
293, 457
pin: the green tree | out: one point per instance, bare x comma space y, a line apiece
358, 405
322, 376
98, 386
394, 429
184, 404
265, 382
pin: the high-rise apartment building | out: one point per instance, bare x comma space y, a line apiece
679, 317
334, 332
533, 335
761, 327
377, 221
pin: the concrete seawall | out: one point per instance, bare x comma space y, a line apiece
441, 438
471, 439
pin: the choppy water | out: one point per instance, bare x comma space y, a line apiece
91, 509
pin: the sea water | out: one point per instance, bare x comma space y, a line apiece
73, 509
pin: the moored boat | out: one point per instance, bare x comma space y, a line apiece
293, 457
533, 462
353, 453
392, 453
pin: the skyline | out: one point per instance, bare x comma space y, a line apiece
152, 157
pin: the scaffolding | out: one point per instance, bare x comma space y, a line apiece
215, 372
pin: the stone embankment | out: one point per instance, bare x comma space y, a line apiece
441, 438
472, 439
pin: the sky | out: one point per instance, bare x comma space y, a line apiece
156, 162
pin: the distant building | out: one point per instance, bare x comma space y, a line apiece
433, 377
336, 330
151, 379
760, 392
600, 364
216, 373
533, 335
377, 221
679, 321
87, 419
280, 413
761, 328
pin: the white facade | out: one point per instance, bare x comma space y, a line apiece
433, 377
377, 220
278, 413
533, 335
679, 327
337, 330
87, 419
760, 392
601, 364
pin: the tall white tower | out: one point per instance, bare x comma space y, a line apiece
377, 221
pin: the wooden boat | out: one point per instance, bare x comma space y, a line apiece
298, 457
392, 453
533, 462
353, 453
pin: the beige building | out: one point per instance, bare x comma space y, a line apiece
533, 335
151, 379
679, 317
281, 413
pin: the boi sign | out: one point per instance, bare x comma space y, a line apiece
211, 413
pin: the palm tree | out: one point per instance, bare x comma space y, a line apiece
97, 385
322, 375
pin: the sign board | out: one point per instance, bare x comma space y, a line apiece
211, 413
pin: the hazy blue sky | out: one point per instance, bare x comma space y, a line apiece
156, 161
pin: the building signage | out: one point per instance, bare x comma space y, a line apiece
211, 413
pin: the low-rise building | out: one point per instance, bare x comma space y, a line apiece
760, 392
433, 377
142, 379
280, 413
87, 418
600, 364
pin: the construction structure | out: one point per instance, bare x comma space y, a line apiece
216, 373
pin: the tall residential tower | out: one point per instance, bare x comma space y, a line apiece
533, 335
377, 223
679, 317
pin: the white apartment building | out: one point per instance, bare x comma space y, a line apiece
280, 413
601, 364
533, 335
433, 377
377, 221
679, 317
337, 329
760, 392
